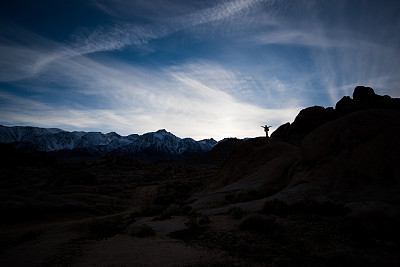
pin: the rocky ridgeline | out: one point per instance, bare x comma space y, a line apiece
346, 156
311, 118
149, 146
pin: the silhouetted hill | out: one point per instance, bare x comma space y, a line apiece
313, 117
347, 156
322, 191
219, 153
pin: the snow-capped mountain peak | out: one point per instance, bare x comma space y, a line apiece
160, 134
160, 142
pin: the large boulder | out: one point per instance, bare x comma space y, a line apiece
257, 167
311, 118
346, 155
363, 93
352, 158
307, 120
365, 98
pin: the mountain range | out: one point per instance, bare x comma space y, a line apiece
149, 146
323, 190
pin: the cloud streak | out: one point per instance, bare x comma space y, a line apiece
176, 98
235, 65
31, 60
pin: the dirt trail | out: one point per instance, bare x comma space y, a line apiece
123, 250
65, 244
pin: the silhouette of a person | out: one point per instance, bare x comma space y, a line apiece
266, 129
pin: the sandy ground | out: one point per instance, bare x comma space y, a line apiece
123, 250
63, 244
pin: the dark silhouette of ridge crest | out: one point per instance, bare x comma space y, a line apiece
312, 117
348, 153
363, 93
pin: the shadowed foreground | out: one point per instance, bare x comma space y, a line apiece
322, 191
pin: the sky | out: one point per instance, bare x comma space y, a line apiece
197, 68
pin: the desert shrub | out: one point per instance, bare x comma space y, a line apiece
185, 210
133, 216
192, 223
197, 221
249, 196
163, 199
261, 224
14, 211
328, 208
151, 210
275, 206
371, 225
187, 234
195, 228
172, 192
243, 196
204, 219
30, 235
236, 212
171, 210
32, 209
325, 208
145, 231
99, 229
241, 248
230, 198
162, 216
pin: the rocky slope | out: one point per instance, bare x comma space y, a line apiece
348, 155
323, 191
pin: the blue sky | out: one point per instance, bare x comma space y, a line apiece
199, 69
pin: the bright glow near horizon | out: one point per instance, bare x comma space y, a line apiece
200, 69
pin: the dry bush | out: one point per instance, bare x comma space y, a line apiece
196, 226
100, 229
276, 207
375, 224
325, 208
145, 231
262, 224
237, 212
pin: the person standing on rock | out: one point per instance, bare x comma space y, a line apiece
266, 129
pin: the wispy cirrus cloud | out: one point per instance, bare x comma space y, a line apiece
31, 59
35, 53
342, 51
177, 98
242, 64
222, 11
115, 37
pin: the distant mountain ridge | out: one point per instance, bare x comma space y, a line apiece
154, 145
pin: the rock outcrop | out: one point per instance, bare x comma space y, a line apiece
348, 155
313, 117
365, 98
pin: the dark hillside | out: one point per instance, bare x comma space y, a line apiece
329, 181
356, 143
322, 191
